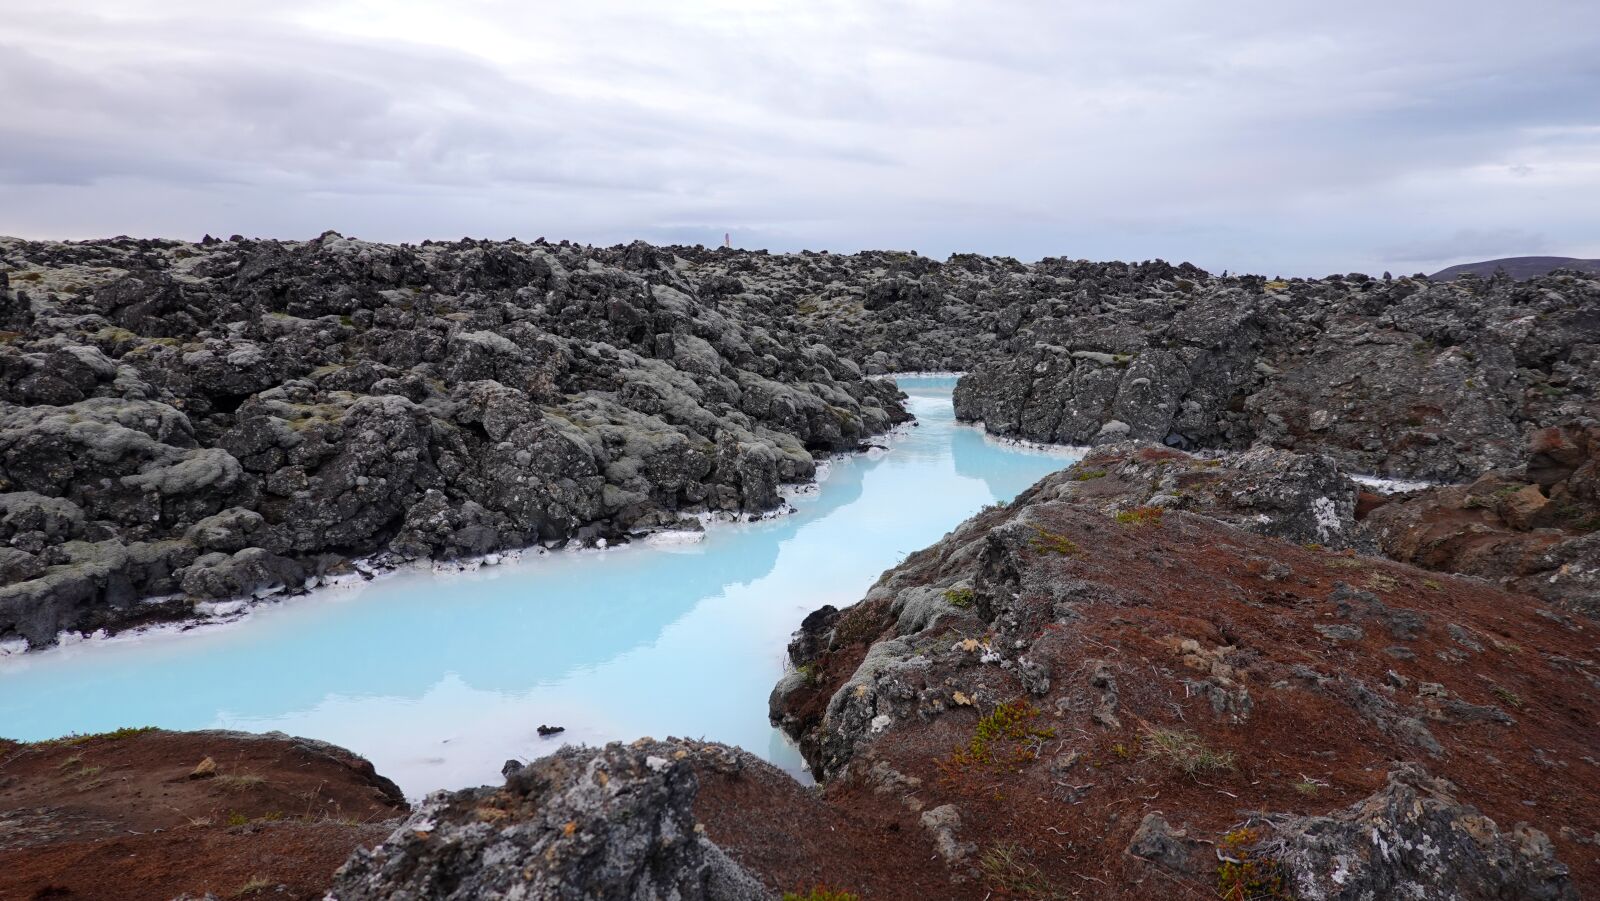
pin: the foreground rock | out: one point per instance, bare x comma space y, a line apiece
1124, 679
613, 823
137, 815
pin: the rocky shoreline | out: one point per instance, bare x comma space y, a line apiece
184, 423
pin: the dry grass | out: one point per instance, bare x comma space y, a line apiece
1185, 752
1007, 868
240, 782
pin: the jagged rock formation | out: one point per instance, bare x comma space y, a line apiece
242, 417
609, 823
1401, 378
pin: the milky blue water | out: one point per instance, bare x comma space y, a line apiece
439, 678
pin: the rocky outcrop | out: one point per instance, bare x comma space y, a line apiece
1398, 377
1183, 668
236, 418
1414, 839
613, 822
1535, 527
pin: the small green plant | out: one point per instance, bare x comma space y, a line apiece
810, 672
1011, 723
1088, 475
961, 597
1507, 696
822, 893
1048, 542
1244, 876
1186, 752
1308, 786
1141, 516
237, 819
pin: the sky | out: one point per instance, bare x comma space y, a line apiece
1276, 137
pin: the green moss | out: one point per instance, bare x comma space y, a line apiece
961, 597
1011, 728
1141, 516
1047, 542
1243, 875
1088, 475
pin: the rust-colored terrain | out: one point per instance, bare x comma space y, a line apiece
126, 815
1098, 663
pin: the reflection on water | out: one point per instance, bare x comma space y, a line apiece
438, 678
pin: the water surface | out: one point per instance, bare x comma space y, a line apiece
438, 678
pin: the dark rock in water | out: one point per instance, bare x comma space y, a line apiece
546, 731
613, 822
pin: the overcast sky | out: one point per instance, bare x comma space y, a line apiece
1278, 137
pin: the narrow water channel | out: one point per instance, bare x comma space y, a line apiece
438, 678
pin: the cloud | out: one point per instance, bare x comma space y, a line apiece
1239, 135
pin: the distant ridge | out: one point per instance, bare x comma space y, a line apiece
1519, 267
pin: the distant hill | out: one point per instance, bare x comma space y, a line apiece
1519, 267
